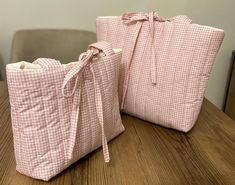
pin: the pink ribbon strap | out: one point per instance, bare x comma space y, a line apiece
85, 59
130, 18
138, 19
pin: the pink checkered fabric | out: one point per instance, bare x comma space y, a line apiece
165, 65
60, 113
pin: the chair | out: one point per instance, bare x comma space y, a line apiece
63, 45
229, 107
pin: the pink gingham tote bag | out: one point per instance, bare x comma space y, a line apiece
62, 112
165, 65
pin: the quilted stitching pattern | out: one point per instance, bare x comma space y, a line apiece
41, 115
165, 65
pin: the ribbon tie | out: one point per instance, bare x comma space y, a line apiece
132, 18
129, 18
138, 19
85, 60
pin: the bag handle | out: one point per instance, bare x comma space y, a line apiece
86, 60
103, 46
138, 19
130, 18
182, 19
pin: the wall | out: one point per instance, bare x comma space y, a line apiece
77, 14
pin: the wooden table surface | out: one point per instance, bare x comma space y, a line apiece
144, 154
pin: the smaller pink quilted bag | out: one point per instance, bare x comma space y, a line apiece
62, 112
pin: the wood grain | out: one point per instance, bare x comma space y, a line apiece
143, 154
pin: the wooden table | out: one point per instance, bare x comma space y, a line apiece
144, 154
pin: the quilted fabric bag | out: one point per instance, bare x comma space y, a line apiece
62, 112
165, 65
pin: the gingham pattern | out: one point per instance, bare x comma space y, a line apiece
54, 126
165, 65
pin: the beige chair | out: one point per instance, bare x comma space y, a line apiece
64, 45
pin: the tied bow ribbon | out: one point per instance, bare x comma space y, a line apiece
138, 19
85, 60
132, 18
129, 18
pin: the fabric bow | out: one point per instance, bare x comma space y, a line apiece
132, 18
85, 60
138, 19
129, 18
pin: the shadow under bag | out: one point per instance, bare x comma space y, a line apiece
62, 112
165, 65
